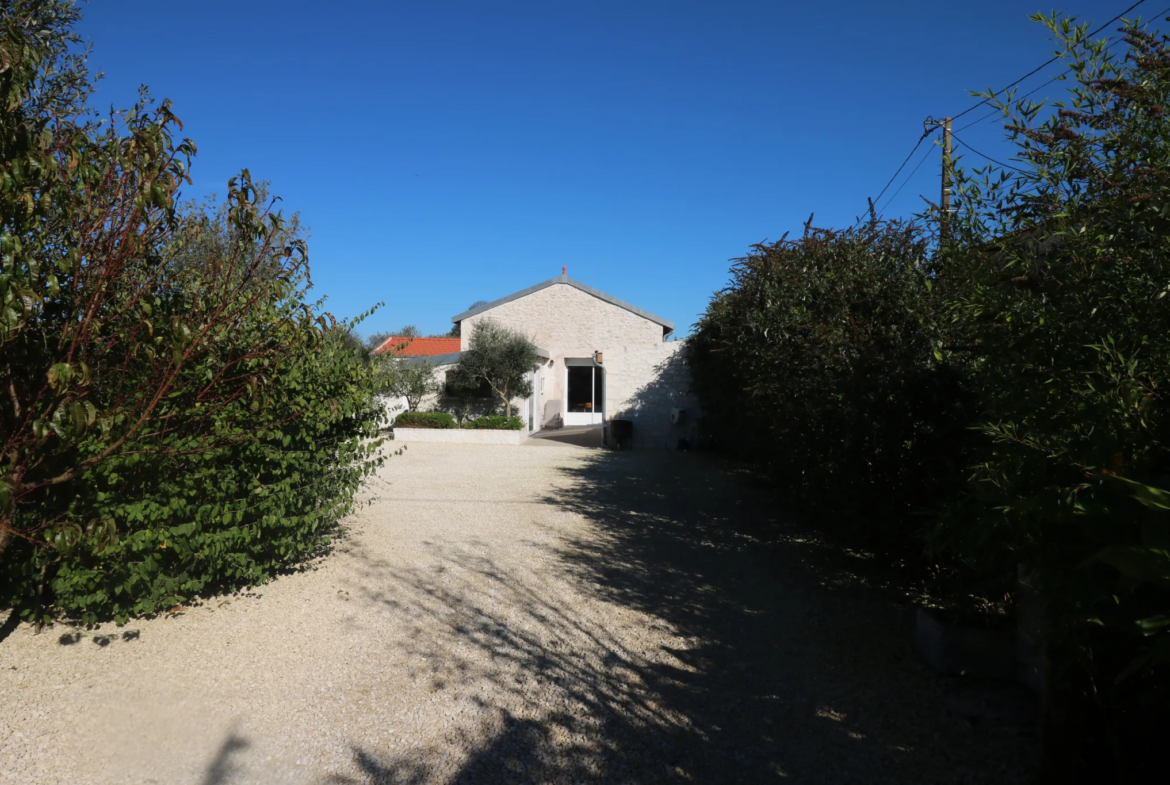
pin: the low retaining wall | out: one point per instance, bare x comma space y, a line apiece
460, 435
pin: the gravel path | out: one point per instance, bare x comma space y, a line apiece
544, 613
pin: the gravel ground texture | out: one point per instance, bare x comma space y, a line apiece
499, 614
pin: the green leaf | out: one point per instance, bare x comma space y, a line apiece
1148, 495
1136, 565
1153, 624
58, 374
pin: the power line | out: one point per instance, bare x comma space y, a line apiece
1111, 44
986, 100
1044, 65
913, 150
904, 182
1022, 97
988, 157
918, 144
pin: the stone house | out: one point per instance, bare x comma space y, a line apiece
604, 359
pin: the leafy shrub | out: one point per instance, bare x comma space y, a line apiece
178, 420
817, 362
1057, 272
495, 422
424, 420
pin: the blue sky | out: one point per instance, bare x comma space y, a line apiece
448, 152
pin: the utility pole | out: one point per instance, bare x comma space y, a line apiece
945, 202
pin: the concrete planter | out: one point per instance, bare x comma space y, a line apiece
460, 435
966, 651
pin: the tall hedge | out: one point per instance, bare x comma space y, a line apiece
1058, 274
177, 418
1008, 384
818, 362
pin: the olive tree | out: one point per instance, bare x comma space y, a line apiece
499, 358
412, 378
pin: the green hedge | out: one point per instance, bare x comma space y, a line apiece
425, 420
1056, 273
206, 523
495, 422
816, 363
1003, 386
180, 418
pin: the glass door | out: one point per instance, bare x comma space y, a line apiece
584, 393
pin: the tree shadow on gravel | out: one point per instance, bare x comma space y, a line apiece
10, 624
760, 663
223, 766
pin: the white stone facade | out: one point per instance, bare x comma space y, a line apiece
562, 318
643, 384
645, 377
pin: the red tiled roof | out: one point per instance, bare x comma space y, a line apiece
418, 347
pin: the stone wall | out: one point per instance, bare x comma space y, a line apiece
643, 383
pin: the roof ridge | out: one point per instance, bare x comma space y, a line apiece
565, 279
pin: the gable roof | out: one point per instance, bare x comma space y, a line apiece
667, 326
417, 347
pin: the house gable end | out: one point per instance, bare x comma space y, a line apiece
667, 326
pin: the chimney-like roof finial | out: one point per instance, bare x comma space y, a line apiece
564, 269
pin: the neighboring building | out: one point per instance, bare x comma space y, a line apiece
605, 359
408, 346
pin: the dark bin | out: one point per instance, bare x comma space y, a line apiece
621, 434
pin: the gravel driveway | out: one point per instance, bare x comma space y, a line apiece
543, 613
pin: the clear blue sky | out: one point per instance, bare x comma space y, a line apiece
447, 152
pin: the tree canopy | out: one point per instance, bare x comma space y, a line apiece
412, 378
499, 357
178, 417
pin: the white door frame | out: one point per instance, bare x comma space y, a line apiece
597, 415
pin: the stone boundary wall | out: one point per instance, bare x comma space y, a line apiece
460, 436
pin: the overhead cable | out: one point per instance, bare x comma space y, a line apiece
904, 182
1044, 65
983, 155
913, 150
995, 112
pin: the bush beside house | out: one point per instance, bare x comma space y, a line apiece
851, 363
445, 420
495, 422
816, 363
180, 418
424, 420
